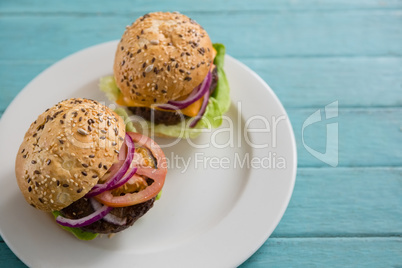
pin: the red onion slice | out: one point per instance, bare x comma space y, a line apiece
96, 216
193, 97
202, 110
125, 179
109, 217
115, 179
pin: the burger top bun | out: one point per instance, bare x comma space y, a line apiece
162, 56
65, 152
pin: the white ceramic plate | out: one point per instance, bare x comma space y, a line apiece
216, 212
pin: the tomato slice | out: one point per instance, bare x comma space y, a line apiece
148, 180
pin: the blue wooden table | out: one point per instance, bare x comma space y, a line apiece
312, 53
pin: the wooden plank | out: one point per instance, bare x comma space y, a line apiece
322, 81
282, 34
185, 5
344, 202
367, 137
14, 76
328, 252
7, 257
353, 81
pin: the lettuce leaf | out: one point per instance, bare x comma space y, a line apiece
222, 90
77, 232
218, 104
123, 114
108, 85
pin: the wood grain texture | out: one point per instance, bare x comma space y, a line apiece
344, 202
367, 137
186, 6
256, 34
328, 252
7, 257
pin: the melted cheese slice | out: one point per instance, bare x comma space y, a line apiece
191, 110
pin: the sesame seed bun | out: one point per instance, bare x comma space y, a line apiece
162, 56
65, 152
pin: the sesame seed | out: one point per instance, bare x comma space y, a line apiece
65, 185
105, 167
187, 78
61, 121
154, 42
143, 74
82, 132
48, 162
116, 151
79, 190
139, 51
122, 48
177, 65
89, 128
100, 165
23, 150
29, 189
104, 131
149, 68
102, 137
37, 172
36, 184
85, 165
33, 162
91, 156
181, 70
94, 176
114, 143
84, 173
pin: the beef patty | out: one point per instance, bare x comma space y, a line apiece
164, 117
82, 207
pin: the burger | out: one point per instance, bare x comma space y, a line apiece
168, 72
78, 162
